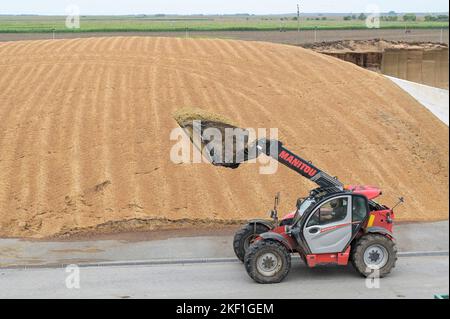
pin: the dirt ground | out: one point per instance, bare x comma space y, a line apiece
85, 126
372, 45
289, 37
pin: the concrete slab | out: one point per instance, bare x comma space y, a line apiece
434, 99
415, 277
13, 252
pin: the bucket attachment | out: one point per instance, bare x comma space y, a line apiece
219, 139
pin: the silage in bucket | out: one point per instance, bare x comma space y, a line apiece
221, 151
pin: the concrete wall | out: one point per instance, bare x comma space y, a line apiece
428, 67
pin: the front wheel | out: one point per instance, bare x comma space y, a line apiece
267, 262
245, 236
374, 254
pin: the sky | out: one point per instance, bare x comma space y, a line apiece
119, 7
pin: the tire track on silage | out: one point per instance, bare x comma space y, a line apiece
151, 162
72, 119
9, 128
244, 176
216, 188
48, 140
140, 117
7, 84
84, 166
25, 145
66, 138
103, 110
198, 177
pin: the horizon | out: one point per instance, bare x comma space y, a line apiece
205, 7
224, 14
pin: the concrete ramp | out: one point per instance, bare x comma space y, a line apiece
434, 99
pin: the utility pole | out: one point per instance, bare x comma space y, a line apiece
298, 18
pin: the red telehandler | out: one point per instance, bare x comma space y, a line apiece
334, 224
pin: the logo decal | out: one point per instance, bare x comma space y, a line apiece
297, 163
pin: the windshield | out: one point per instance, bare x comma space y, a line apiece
307, 203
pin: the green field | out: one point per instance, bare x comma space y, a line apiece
17, 24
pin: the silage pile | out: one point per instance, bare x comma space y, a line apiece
85, 127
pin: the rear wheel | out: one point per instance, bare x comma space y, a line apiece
267, 261
374, 253
245, 236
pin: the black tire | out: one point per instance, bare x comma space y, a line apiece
374, 244
256, 254
244, 236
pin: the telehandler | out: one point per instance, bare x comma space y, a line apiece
334, 224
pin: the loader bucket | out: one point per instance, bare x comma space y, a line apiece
219, 139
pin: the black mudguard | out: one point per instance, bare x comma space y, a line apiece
379, 230
263, 222
278, 238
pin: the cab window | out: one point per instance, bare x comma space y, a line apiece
330, 212
359, 209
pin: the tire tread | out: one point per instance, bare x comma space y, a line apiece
250, 262
240, 235
357, 253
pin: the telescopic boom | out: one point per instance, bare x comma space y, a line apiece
298, 164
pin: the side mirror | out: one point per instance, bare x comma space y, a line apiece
273, 214
276, 201
299, 203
